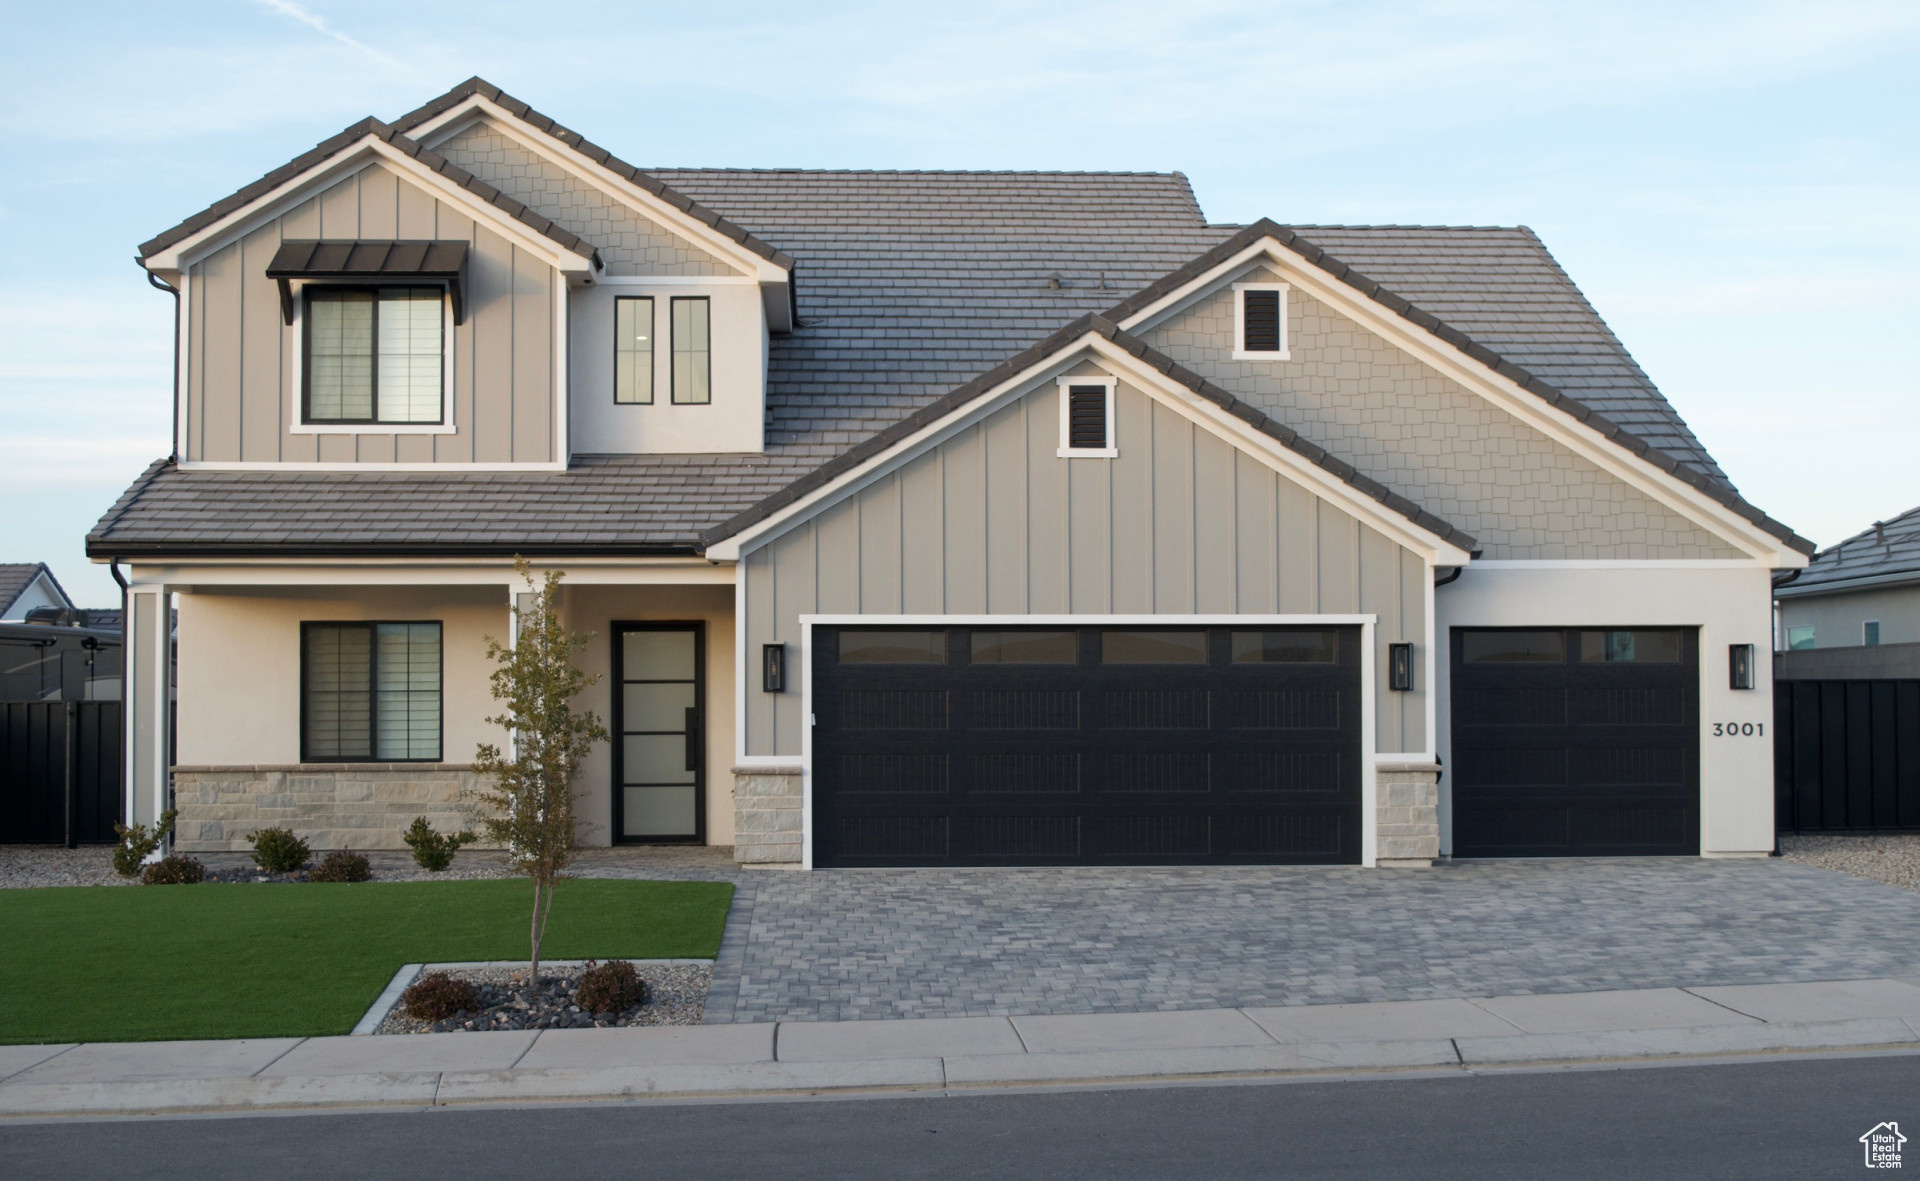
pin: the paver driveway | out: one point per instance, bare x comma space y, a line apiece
845, 944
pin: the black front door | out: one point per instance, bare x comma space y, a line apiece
659, 732
1575, 741
1086, 745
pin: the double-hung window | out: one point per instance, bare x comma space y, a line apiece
370, 692
375, 354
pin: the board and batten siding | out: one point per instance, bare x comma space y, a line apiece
241, 354
992, 521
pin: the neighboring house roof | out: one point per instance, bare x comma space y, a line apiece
16, 577
333, 146
1889, 552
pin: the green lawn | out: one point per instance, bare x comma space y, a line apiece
148, 963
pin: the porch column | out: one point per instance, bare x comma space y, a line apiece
148, 653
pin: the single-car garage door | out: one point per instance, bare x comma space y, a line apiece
1086, 746
1575, 742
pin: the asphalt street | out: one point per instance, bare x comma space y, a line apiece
1791, 1119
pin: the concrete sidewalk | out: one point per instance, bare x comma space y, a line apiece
956, 1053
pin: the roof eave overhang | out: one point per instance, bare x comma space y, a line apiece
728, 543
104, 550
772, 267
577, 264
1889, 580
1562, 418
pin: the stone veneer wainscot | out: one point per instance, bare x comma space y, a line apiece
330, 805
1407, 814
767, 814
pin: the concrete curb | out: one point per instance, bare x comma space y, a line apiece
944, 1055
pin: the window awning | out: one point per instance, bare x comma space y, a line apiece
371, 262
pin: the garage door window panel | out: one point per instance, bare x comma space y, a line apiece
1631, 647
1153, 647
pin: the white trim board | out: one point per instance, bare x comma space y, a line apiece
1370, 755
1585, 441
1275, 454
478, 108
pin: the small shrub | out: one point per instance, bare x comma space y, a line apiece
137, 844
433, 851
342, 866
174, 871
277, 850
612, 987
438, 996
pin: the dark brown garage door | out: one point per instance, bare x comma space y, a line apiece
1575, 742
1086, 746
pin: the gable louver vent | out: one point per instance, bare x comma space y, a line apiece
1262, 322
1086, 417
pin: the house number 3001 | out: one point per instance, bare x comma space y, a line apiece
1739, 730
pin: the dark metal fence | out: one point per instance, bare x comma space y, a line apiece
1846, 755
59, 772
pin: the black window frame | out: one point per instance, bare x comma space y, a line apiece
673, 349
653, 340
306, 354
373, 689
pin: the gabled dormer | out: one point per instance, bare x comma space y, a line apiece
475, 287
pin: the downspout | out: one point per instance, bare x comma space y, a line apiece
126, 627
1457, 572
173, 446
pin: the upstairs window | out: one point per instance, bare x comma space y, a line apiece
1870, 633
692, 352
1800, 637
1259, 321
370, 692
375, 354
1086, 418
633, 350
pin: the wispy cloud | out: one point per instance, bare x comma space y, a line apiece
319, 24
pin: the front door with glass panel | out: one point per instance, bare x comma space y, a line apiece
659, 752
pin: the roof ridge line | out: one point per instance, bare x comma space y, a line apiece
1519, 375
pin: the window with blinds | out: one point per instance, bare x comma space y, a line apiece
375, 355
633, 350
370, 692
692, 351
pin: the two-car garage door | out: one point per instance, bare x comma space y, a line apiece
1086, 745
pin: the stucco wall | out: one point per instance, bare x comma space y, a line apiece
238, 664
994, 522
629, 243
1837, 619
242, 356
1728, 605
1521, 494
733, 421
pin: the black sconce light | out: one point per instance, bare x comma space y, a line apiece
773, 668
1740, 666
1400, 667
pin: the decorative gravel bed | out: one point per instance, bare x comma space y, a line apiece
1893, 858
676, 995
27, 867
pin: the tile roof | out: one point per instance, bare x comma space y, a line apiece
16, 577
1889, 551
336, 144
909, 286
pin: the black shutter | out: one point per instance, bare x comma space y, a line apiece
1087, 417
1262, 320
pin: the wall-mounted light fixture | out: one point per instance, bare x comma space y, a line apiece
1400, 667
773, 668
1740, 666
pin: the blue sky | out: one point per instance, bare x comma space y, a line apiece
1735, 186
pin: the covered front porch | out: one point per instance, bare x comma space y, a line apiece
344, 700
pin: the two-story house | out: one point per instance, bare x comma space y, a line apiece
927, 518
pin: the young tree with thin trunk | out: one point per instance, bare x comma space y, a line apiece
530, 803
